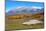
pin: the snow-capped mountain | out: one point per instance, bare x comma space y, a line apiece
26, 9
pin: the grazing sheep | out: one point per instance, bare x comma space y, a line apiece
32, 22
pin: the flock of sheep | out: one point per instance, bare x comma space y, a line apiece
33, 21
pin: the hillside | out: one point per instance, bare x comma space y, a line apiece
38, 16
26, 15
15, 22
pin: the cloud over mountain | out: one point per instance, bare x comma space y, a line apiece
26, 9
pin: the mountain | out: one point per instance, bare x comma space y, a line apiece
25, 9
37, 11
39, 16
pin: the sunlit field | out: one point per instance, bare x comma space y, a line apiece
14, 23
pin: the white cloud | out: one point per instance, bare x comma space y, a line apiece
28, 7
23, 7
37, 7
19, 7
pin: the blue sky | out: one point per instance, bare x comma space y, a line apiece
13, 4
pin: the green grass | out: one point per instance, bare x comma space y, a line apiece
17, 25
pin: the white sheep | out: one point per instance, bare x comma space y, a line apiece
32, 22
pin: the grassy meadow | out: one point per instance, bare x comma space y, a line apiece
13, 23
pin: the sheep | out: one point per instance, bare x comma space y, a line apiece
32, 22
